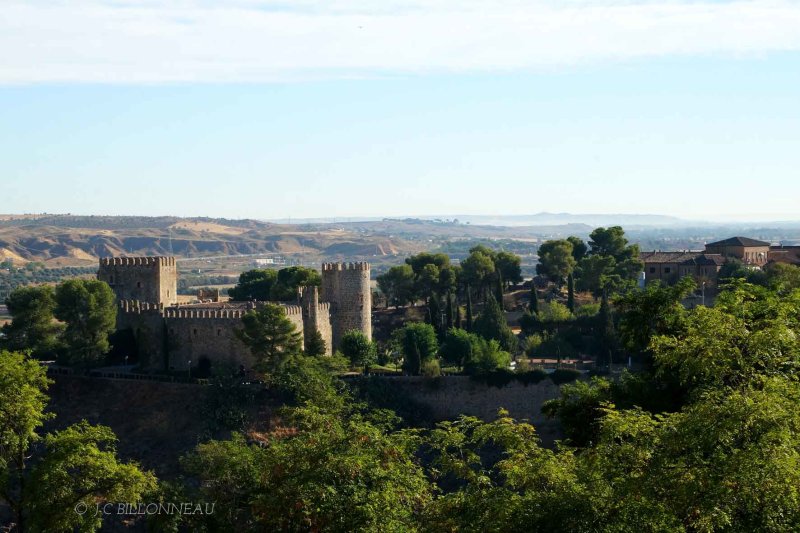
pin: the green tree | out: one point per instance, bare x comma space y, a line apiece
498, 290
417, 342
486, 356
783, 277
88, 309
657, 310
33, 325
595, 273
533, 305
42, 480
335, 474
555, 260
571, 293
579, 248
477, 269
469, 309
358, 349
290, 279
398, 285
611, 242
270, 335
491, 324
554, 312
509, 266
315, 346
580, 409
254, 285
457, 347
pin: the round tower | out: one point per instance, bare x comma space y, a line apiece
347, 287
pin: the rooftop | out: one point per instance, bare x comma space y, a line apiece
738, 241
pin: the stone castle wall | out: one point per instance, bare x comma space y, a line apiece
316, 316
169, 337
147, 279
347, 287
451, 396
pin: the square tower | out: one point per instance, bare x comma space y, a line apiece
145, 279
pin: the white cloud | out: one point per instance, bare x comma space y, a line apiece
252, 41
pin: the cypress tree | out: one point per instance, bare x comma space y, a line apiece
534, 305
498, 290
607, 333
469, 310
449, 311
571, 293
492, 325
458, 315
435, 313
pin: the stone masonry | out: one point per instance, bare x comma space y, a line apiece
176, 337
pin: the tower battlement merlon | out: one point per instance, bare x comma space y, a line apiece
151, 279
358, 265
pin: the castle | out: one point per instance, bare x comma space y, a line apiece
169, 336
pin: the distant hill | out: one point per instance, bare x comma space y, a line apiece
536, 220
79, 240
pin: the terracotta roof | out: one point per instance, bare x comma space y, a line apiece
668, 257
706, 260
738, 241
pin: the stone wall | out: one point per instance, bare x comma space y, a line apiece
450, 396
316, 317
192, 336
347, 287
146, 279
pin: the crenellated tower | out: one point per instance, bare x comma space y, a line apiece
347, 287
146, 279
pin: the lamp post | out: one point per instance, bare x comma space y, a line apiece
704, 294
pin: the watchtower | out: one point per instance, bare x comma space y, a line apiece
146, 279
347, 287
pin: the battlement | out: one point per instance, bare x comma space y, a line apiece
177, 312
324, 307
358, 265
137, 261
293, 310
138, 306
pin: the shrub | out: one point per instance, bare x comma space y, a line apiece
564, 375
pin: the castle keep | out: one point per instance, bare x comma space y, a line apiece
176, 337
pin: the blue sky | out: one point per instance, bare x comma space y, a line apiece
265, 111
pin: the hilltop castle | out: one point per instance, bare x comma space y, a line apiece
169, 336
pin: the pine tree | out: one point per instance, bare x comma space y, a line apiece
571, 293
469, 310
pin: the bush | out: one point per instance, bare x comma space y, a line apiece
430, 368
532, 376
564, 375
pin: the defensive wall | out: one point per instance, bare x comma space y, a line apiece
451, 396
173, 337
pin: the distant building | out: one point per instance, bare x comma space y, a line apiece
748, 251
704, 265
668, 267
